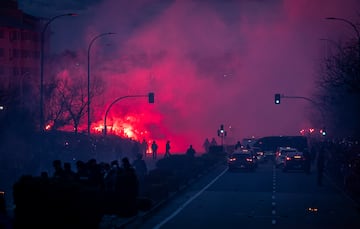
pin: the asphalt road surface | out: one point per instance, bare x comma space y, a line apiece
266, 198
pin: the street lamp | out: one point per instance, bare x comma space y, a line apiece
88, 83
353, 26
150, 96
42, 41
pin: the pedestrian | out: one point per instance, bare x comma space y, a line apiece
238, 145
154, 148
141, 171
190, 151
58, 169
206, 145
213, 142
128, 189
167, 149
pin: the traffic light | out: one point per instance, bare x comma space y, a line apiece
151, 97
221, 132
277, 98
323, 131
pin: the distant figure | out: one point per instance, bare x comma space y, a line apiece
68, 173
141, 171
238, 145
111, 176
154, 148
206, 145
59, 171
190, 151
167, 149
128, 188
144, 147
213, 142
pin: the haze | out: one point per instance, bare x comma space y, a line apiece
208, 62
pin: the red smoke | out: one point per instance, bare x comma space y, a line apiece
209, 63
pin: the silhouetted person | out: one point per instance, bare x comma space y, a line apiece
206, 145
141, 171
154, 148
238, 145
320, 163
82, 171
167, 149
95, 177
68, 173
213, 142
127, 188
190, 151
110, 177
58, 169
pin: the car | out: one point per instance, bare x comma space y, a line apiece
269, 144
259, 154
280, 155
294, 161
241, 161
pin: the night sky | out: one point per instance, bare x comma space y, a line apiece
209, 62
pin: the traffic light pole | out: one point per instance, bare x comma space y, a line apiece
151, 100
308, 99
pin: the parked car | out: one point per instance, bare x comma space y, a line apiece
294, 161
241, 161
280, 155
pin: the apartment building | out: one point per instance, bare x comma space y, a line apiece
19, 46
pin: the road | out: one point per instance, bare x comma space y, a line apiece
266, 198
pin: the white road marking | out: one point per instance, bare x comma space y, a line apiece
189, 201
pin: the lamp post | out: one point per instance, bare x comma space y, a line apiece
353, 26
42, 41
88, 80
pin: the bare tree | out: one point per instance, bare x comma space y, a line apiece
67, 94
338, 90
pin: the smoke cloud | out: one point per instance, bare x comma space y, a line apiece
208, 62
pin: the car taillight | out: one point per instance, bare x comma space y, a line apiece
249, 159
288, 158
232, 159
